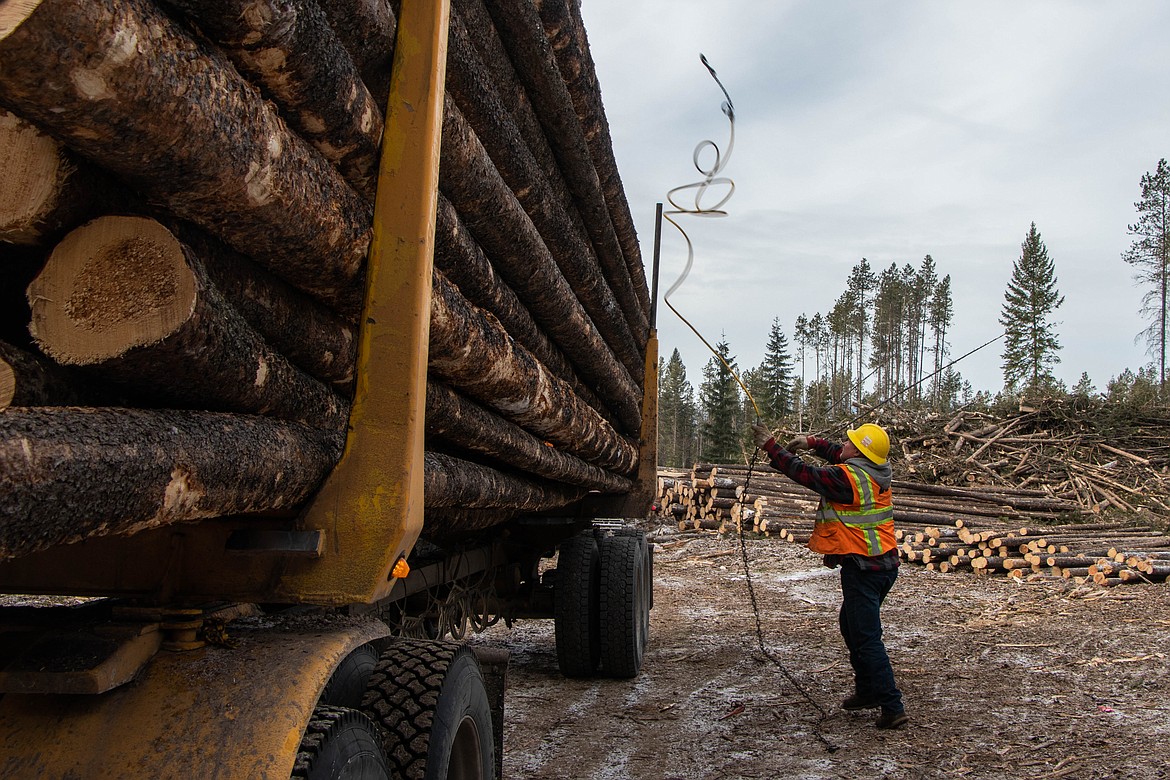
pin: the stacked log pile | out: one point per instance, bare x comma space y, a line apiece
191, 184
1019, 532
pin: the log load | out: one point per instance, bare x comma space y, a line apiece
291, 51
492, 214
171, 336
462, 261
242, 296
471, 427
474, 354
123, 84
47, 190
305, 331
565, 32
68, 473
451, 482
366, 29
483, 109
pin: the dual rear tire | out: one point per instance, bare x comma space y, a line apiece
601, 603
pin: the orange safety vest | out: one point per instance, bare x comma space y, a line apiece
863, 527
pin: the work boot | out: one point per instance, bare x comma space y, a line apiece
859, 702
892, 720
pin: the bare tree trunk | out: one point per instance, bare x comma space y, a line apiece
546, 65
492, 214
475, 355
121, 83
290, 51
299, 327
121, 294
46, 190
463, 262
67, 473
464, 423
27, 379
478, 99
451, 482
367, 29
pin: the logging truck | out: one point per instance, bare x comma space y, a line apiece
325, 339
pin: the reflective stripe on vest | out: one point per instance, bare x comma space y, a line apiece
866, 516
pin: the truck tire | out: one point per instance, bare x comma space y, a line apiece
340, 744
648, 550
576, 609
624, 605
347, 686
432, 704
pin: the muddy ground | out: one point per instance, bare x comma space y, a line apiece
1002, 680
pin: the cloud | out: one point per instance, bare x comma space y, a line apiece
890, 131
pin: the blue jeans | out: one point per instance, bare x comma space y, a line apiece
861, 625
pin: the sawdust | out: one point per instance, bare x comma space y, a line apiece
1002, 680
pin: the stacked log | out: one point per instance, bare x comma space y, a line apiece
1017, 533
212, 288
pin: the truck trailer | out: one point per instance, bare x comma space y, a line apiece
326, 341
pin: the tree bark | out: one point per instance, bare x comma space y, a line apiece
575, 140
565, 31
121, 294
27, 379
452, 482
475, 355
492, 214
451, 525
298, 326
290, 50
471, 427
367, 28
67, 473
492, 123
121, 83
46, 190
463, 262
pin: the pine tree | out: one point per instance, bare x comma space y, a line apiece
1030, 340
1084, 387
775, 376
889, 332
942, 311
676, 414
922, 287
1150, 255
861, 289
801, 336
722, 414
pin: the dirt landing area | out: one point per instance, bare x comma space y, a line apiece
1001, 679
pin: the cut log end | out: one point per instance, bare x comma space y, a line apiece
33, 169
118, 283
7, 385
14, 13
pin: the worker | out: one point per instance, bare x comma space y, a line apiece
854, 530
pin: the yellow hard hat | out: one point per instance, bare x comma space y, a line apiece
872, 441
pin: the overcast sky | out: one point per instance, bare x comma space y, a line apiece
893, 130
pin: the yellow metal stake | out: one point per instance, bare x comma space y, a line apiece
371, 507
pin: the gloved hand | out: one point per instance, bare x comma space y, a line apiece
797, 444
760, 434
